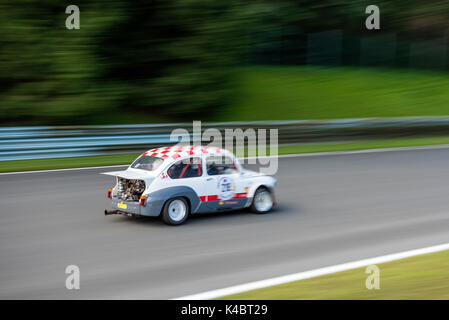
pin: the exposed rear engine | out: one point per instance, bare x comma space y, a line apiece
129, 189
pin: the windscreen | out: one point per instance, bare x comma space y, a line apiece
147, 163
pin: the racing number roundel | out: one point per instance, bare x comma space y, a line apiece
226, 188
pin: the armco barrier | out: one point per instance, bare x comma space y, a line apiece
20, 143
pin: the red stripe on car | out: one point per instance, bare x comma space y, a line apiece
214, 197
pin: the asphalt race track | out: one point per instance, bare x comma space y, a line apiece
332, 209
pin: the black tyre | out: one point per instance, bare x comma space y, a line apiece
263, 201
175, 211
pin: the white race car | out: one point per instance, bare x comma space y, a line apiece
173, 182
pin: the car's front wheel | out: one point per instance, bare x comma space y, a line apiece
262, 201
175, 211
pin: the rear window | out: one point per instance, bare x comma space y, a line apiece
147, 163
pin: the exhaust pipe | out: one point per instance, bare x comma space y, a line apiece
109, 212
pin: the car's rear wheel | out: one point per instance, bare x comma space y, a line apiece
262, 201
175, 211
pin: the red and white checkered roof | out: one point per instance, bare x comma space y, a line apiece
175, 152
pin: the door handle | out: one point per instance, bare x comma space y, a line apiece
209, 179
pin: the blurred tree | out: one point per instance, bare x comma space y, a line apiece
171, 58
48, 73
292, 21
175, 57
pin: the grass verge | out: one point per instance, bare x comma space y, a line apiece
420, 277
117, 159
292, 93
64, 163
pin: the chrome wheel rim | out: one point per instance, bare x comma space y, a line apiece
177, 210
263, 201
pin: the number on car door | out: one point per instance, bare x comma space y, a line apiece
222, 183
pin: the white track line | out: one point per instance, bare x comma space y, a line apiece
314, 154
311, 273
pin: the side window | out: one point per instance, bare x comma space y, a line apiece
186, 168
220, 165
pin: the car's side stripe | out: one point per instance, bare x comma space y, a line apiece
241, 195
215, 197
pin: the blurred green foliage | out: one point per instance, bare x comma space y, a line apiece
311, 92
167, 58
171, 60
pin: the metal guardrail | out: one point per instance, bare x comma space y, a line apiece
20, 143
